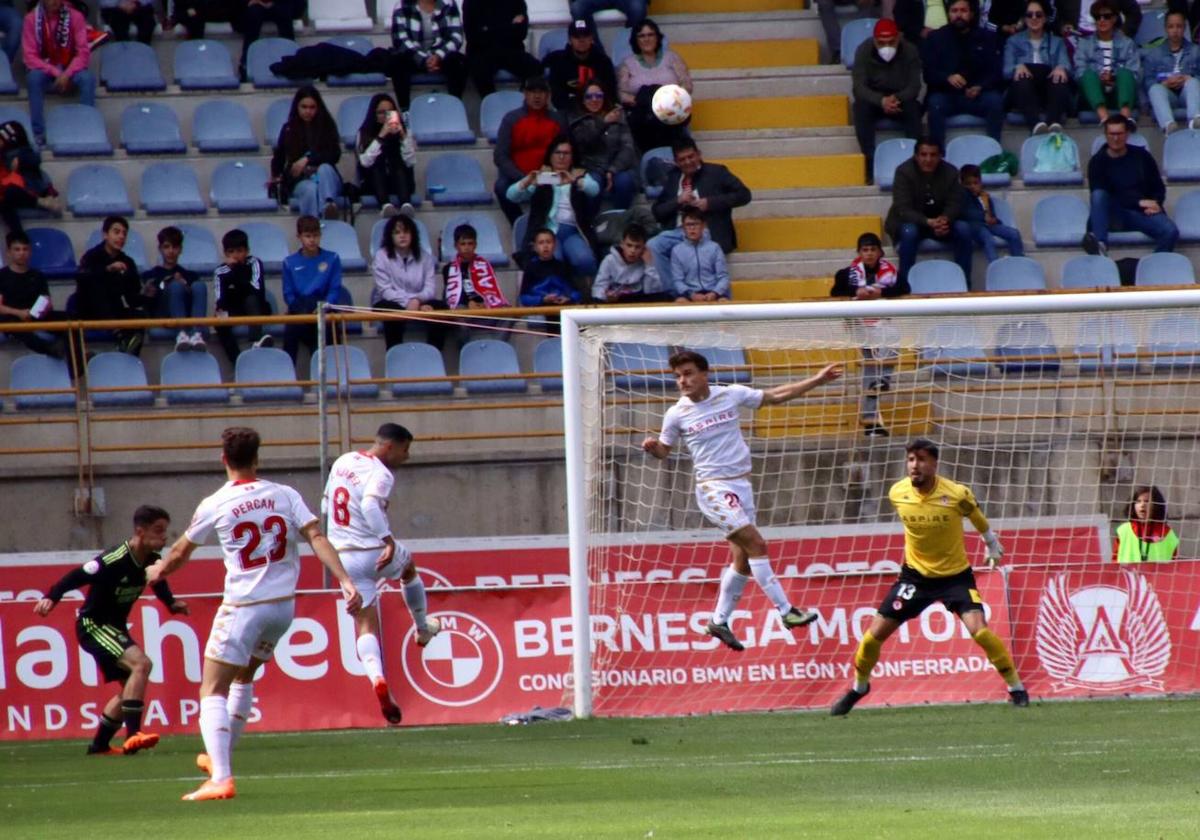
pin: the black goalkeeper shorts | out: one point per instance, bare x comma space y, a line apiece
913, 592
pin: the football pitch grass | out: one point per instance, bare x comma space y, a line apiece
1113, 769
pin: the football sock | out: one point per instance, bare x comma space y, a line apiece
131, 712
414, 596
760, 567
999, 656
732, 584
214, 729
864, 660
370, 656
104, 733
239, 705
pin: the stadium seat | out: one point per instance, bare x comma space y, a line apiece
1165, 269
135, 247
954, 349
1015, 274
728, 367
1135, 139
1089, 272
976, 148
552, 40
268, 243
275, 330
263, 53
489, 357
440, 119
204, 65
453, 178
653, 187
130, 66
1152, 27
34, 372
171, 188
416, 360
240, 186
200, 252
1187, 216
1181, 156
344, 298
344, 362
854, 32
118, 370
342, 239
639, 366
266, 364
937, 277
1020, 340
1004, 213
488, 245
1059, 221
362, 45
192, 368
20, 114
493, 109
350, 115
1039, 179
52, 253
150, 128
77, 130
221, 125
339, 15
888, 156
97, 190
547, 358
1106, 342
376, 240
1175, 343
8, 85
273, 122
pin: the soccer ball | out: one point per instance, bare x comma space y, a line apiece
671, 104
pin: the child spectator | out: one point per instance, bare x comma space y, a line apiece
306, 155
1146, 537
387, 154
405, 276
698, 263
470, 283
108, 287
547, 281
23, 182
174, 292
627, 274
311, 276
979, 213
240, 291
25, 296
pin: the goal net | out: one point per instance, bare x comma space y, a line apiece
1052, 409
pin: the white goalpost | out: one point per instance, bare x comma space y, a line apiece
1052, 408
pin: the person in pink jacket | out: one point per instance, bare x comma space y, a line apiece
54, 42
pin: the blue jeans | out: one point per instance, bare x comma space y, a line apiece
940, 106
983, 234
959, 239
312, 193
179, 300
574, 249
1164, 102
1105, 210
39, 82
634, 10
662, 246
10, 25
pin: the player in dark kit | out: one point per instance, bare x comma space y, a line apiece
115, 580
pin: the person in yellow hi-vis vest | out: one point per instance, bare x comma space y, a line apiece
1146, 537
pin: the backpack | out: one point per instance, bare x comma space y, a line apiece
1056, 153
1003, 162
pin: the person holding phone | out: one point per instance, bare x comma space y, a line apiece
386, 153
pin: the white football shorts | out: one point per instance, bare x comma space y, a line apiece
239, 633
726, 503
360, 565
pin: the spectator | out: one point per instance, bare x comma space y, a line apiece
1171, 74
1076, 20
571, 68
311, 276
120, 15
627, 274
547, 280
710, 188
698, 264
387, 153
23, 181
1146, 537
649, 67
599, 131
1036, 61
427, 37
927, 204
171, 291
239, 288
25, 297
1127, 190
887, 81
558, 196
55, 46
496, 31
306, 155
108, 287
405, 276
827, 12
1107, 65
524, 136
10, 25
634, 10
979, 213
962, 71
918, 19
470, 282
1007, 17
253, 14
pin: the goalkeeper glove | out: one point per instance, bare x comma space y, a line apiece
993, 551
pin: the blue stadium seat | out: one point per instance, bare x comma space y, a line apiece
620, 46
350, 115
1089, 272
1152, 27
416, 360
1029, 162
221, 125
204, 65
954, 349
547, 358
8, 85
266, 364
240, 186
440, 119
20, 114
339, 237
97, 190
1015, 274
652, 189
362, 45
35, 372
727, 366
494, 107
489, 357
1181, 156
453, 178
127, 66
171, 188
1187, 216
77, 130
344, 298
376, 241
647, 361
1059, 221
52, 254
1026, 338
200, 251
344, 362
552, 40
937, 277
1106, 342
263, 53
191, 368
1165, 269
150, 128
268, 243
520, 228
1135, 139
1176, 343
888, 155
854, 32
118, 370
135, 247
488, 245
976, 148
273, 122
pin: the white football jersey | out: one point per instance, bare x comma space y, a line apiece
711, 430
258, 523
354, 477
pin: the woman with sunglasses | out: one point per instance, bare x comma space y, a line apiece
1108, 65
1036, 61
650, 67
1073, 18
605, 145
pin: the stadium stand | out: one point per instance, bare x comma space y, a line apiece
171, 189
417, 360
937, 277
94, 189
35, 372
455, 179
1015, 274
490, 358
240, 186
263, 53
127, 66
188, 370
1088, 272
118, 370
149, 128
75, 129
204, 65
343, 363
223, 126
266, 364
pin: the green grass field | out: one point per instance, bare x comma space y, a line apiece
1120, 769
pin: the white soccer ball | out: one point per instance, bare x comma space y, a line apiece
671, 104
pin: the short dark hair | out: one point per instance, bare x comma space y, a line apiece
682, 145
147, 515
393, 432
691, 213
308, 224
969, 170
234, 239
1106, 6
922, 445
926, 140
15, 236
537, 82
1167, 17
170, 235
465, 232
1116, 119
682, 357
240, 445
389, 233
634, 232
540, 231
109, 221
869, 238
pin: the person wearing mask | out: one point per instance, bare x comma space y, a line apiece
886, 83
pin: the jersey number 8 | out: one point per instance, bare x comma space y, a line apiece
250, 530
341, 506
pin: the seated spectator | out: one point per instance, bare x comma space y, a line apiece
305, 161
886, 83
830, 23
387, 155
627, 274
1007, 17
496, 31
120, 15
1127, 192
962, 71
1146, 537
253, 14
1075, 20
25, 297
547, 280
634, 10
572, 67
108, 288
1171, 75
10, 29
405, 276
311, 276
918, 19
469, 282
172, 291
710, 188
1036, 62
927, 204
1108, 65
241, 292
698, 267
524, 137
979, 214
650, 67
427, 37
599, 132
23, 182
54, 42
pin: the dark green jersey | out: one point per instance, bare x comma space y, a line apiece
115, 580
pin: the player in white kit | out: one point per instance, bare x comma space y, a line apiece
707, 419
257, 523
356, 500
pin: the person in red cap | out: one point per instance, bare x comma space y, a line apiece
887, 80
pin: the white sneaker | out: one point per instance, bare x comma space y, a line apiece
432, 628
388, 210
182, 342
1040, 128
265, 341
197, 341
407, 209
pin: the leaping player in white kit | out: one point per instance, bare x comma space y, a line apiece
707, 419
257, 523
356, 499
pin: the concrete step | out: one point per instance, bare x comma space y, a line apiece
797, 173
705, 7
764, 53
772, 112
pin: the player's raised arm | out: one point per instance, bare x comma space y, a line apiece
783, 393
328, 556
179, 554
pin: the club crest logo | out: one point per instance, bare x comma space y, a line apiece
1103, 638
460, 666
